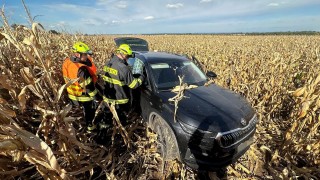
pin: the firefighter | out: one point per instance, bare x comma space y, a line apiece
83, 92
119, 81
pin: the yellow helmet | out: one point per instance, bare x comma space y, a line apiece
81, 47
125, 49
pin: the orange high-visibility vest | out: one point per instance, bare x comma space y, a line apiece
70, 72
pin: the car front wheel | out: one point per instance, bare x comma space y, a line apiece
167, 145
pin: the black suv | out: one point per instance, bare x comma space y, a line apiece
214, 126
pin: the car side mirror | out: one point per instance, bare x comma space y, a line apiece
211, 74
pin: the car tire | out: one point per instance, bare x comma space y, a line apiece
167, 143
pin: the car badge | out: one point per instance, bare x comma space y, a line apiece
243, 122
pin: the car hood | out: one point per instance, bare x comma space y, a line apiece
211, 108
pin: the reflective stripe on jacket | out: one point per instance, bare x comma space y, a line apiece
119, 81
78, 91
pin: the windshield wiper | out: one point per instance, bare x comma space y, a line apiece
183, 87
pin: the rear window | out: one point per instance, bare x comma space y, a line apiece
136, 44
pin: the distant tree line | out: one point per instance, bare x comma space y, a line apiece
286, 33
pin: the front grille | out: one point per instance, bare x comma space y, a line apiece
230, 138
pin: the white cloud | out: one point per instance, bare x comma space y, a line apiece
102, 1
93, 22
205, 1
122, 5
118, 21
273, 4
68, 6
148, 18
115, 21
177, 5
61, 23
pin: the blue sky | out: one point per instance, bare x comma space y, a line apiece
169, 16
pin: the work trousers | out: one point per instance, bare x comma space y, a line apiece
89, 110
122, 111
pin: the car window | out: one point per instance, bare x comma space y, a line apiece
166, 74
131, 62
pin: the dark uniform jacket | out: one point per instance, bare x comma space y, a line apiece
119, 81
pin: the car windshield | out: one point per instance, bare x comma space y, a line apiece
166, 74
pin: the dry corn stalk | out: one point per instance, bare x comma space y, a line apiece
118, 126
180, 94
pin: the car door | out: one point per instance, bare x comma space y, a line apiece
149, 99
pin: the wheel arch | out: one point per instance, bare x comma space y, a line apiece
150, 121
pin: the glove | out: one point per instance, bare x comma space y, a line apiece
137, 66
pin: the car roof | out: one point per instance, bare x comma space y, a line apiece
154, 57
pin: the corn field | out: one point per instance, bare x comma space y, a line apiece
43, 136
